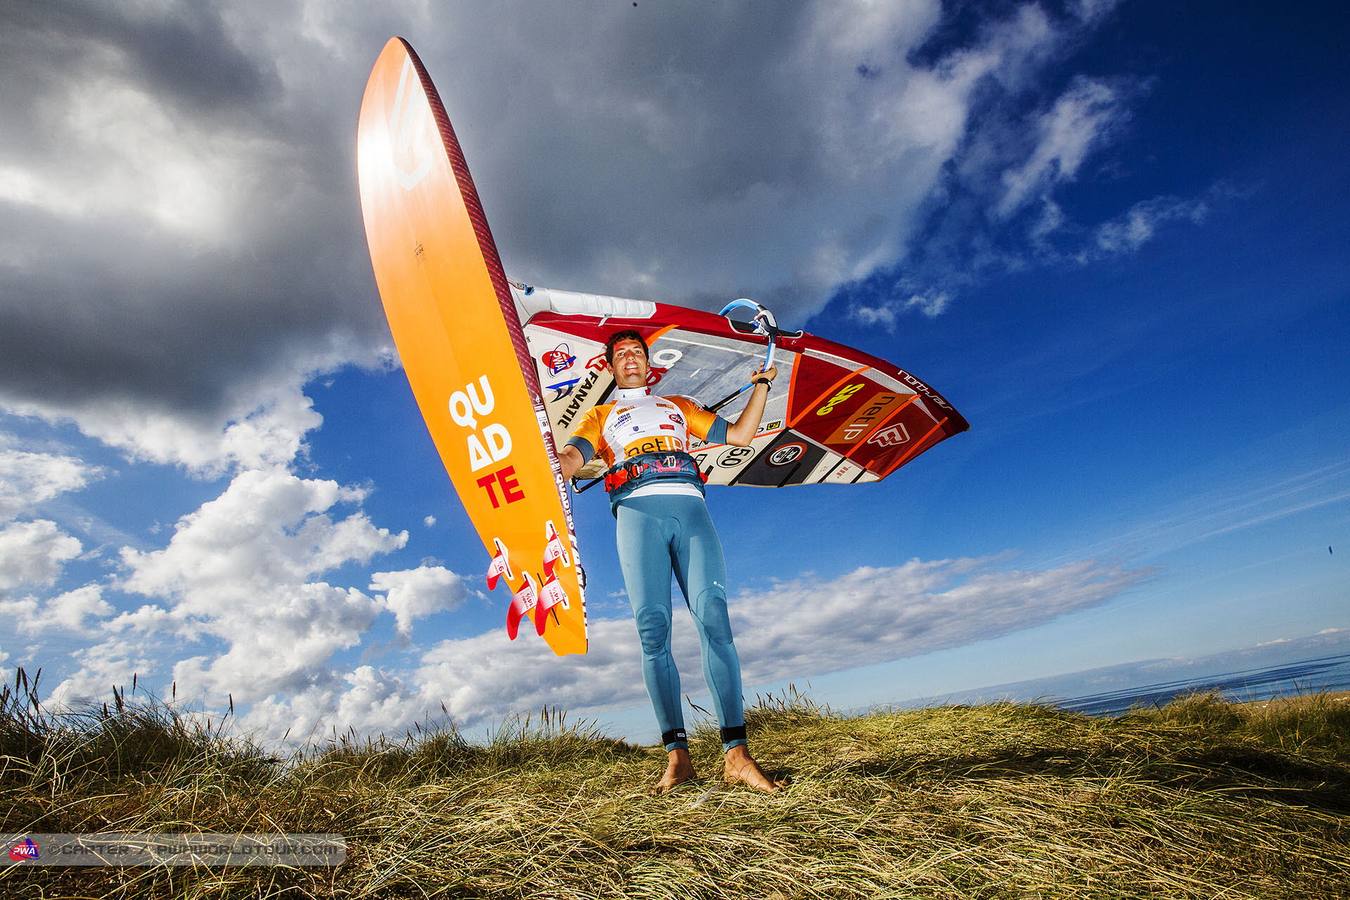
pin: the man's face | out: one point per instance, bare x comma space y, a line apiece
630, 364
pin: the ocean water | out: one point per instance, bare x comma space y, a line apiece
1328, 673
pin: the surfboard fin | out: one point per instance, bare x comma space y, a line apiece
553, 551
500, 565
551, 595
522, 601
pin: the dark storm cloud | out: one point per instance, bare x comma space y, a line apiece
172, 232
178, 191
183, 52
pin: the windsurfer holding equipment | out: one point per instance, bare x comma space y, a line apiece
656, 492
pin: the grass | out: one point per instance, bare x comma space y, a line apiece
1201, 798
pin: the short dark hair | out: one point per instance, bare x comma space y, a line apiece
627, 334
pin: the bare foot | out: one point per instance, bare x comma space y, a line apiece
678, 770
741, 768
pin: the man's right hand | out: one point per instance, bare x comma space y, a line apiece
571, 460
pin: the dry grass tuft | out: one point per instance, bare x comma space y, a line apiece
1201, 798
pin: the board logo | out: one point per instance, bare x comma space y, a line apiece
487, 443
788, 453
558, 360
891, 437
408, 120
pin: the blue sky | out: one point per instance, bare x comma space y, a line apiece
1111, 235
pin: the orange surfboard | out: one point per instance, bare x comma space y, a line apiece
460, 338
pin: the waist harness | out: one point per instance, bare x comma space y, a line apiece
626, 476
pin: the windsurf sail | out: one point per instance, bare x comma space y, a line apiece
503, 372
846, 417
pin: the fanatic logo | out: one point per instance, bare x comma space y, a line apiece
562, 389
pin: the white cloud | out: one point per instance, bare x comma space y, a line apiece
1140, 223
33, 553
20, 616
265, 428
1093, 10
239, 569
867, 616
268, 528
100, 666
931, 305
149, 619
429, 521
191, 171
69, 611
184, 180
28, 478
873, 316
280, 643
1080, 120
417, 593
1050, 220
372, 701
877, 614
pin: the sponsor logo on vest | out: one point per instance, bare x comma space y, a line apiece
655, 444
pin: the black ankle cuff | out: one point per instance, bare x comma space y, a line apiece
674, 736
735, 733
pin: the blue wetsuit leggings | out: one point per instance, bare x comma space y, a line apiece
658, 533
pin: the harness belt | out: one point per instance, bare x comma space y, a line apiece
647, 467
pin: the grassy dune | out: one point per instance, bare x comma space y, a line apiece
1201, 798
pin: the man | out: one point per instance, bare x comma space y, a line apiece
656, 493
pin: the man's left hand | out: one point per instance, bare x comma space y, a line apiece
770, 373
